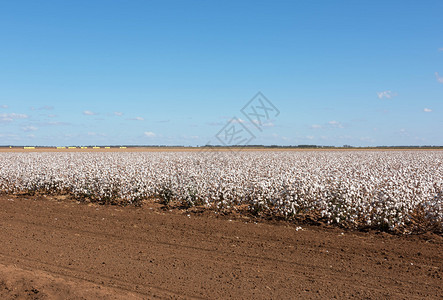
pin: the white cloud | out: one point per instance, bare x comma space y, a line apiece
55, 123
310, 137
386, 94
29, 128
46, 107
118, 113
427, 110
330, 124
137, 119
335, 124
403, 132
149, 134
440, 49
238, 120
256, 122
439, 79
12, 116
4, 106
89, 113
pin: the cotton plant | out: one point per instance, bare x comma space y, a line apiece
348, 188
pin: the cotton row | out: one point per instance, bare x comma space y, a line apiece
350, 188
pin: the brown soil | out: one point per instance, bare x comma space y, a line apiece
55, 248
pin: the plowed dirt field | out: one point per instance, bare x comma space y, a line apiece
55, 248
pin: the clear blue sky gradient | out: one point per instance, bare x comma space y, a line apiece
364, 73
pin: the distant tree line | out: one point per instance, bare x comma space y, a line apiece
243, 146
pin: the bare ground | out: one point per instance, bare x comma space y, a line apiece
54, 248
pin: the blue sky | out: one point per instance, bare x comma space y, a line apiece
363, 73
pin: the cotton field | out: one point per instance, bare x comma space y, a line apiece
391, 190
